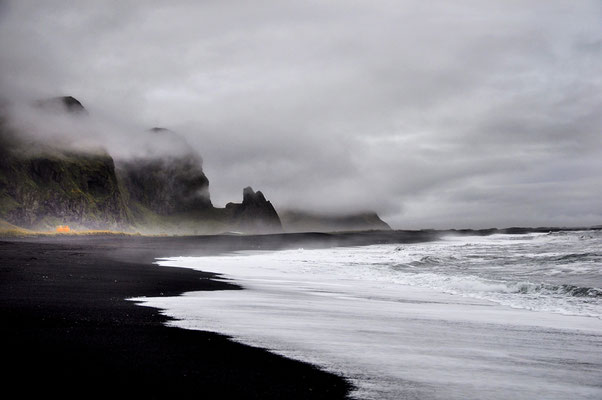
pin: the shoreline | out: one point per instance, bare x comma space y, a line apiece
354, 312
17, 233
68, 328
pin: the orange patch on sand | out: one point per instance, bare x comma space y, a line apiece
63, 228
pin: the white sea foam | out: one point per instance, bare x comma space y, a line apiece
424, 321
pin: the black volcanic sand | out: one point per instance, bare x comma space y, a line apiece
67, 330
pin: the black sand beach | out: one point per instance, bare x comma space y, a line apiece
67, 329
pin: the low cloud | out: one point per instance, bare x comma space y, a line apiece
471, 114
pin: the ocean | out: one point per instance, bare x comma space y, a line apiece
463, 317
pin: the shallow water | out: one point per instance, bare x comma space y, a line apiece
497, 317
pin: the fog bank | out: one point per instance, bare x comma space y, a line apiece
472, 114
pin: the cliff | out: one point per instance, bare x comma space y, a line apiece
41, 187
160, 189
166, 183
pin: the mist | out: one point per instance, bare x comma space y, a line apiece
476, 114
49, 123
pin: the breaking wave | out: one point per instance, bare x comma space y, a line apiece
476, 284
558, 272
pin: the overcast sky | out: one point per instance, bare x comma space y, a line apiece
432, 113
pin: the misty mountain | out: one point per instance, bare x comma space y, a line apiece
304, 221
43, 187
63, 103
162, 189
166, 183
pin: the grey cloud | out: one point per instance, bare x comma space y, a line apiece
476, 113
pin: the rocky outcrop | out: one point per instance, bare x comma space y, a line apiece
160, 189
302, 221
255, 214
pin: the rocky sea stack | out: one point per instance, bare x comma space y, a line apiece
255, 213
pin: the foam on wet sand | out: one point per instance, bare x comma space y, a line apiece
342, 310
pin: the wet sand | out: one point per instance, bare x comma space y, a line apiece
67, 330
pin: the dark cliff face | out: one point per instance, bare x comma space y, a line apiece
160, 189
166, 182
255, 214
50, 187
166, 186
42, 186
